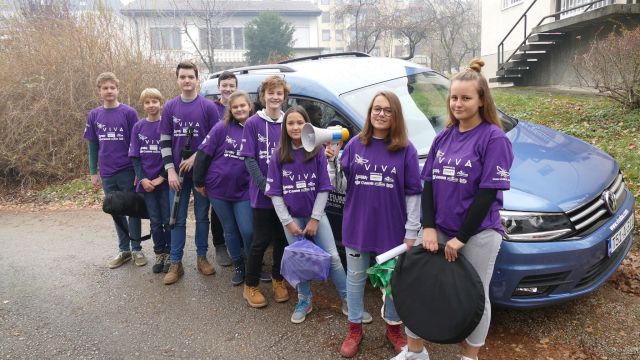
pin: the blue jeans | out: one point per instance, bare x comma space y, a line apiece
158, 209
237, 223
324, 239
123, 181
357, 264
179, 232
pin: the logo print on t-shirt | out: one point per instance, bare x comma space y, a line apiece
142, 137
439, 154
503, 173
101, 126
230, 141
286, 173
176, 120
360, 160
262, 139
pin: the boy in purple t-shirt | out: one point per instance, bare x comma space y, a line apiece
186, 111
108, 133
144, 152
260, 137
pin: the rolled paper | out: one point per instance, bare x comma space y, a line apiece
398, 250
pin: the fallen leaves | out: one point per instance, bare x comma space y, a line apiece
627, 277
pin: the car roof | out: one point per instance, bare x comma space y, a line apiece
336, 74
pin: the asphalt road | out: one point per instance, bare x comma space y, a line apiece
58, 300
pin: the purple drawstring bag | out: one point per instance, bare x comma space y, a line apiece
304, 261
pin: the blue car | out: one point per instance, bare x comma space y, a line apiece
568, 217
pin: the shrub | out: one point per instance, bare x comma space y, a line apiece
48, 66
612, 66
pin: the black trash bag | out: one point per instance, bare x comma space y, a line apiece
125, 203
439, 301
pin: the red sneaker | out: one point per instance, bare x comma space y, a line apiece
351, 343
396, 336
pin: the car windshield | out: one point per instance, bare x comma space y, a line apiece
424, 104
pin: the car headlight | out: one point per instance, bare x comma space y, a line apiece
530, 226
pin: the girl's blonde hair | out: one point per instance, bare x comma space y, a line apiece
228, 116
397, 137
488, 111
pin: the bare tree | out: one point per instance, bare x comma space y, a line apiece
413, 23
455, 26
369, 23
208, 16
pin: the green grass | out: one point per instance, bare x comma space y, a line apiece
594, 119
78, 191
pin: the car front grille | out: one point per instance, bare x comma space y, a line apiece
588, 217
604, 265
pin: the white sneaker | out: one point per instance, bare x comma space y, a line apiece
405, 354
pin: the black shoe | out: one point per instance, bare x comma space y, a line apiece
167, 263
222, 256
238, 274
159, 264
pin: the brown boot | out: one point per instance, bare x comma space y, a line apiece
280, 292
204, 266
175, 272
395, 335
351, 343
254, 296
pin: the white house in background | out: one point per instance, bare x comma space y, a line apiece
159, 26
545, 35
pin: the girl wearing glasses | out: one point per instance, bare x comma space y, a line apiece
379, 163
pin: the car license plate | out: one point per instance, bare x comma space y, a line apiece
619, 237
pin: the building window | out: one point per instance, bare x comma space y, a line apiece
167, 38
339, 36
326, 35
326, 17
510, 3
339, 19
238, 38
324, 2
226, 38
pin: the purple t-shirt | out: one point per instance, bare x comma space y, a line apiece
375, 211
177, 116
221, 109
259, 140
460, 163
145, 144
111, 128
227, 177
299, 182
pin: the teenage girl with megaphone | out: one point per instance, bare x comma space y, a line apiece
298, 184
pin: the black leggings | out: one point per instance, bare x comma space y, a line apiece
266, 228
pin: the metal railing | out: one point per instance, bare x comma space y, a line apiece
523, 19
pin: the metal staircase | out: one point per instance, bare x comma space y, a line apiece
534, 48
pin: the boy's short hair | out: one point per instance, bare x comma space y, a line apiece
107, 76
151, 93
187, 64
227, 75
273, 82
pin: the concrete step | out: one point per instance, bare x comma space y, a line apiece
544, 37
